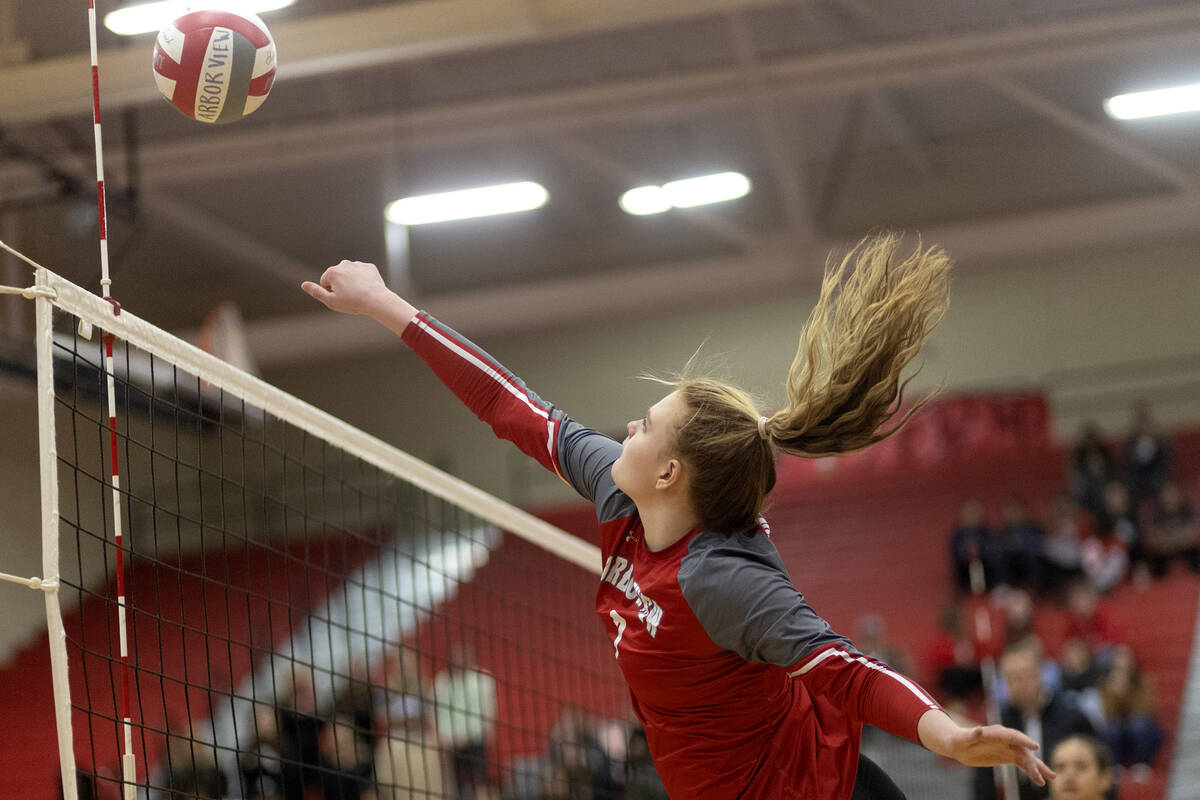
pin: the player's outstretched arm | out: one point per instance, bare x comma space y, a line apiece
575, 453
355, 287
982, 745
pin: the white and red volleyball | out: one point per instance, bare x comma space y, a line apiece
215, 65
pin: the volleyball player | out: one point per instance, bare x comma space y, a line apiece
744, 691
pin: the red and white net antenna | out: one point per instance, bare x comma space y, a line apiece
128, 764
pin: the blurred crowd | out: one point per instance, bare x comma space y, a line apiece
397, 736
1119, 518
1124, 518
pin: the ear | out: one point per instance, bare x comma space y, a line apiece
670, 474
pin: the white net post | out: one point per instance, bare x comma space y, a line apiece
50, 561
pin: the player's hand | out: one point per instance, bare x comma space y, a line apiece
992, 745
352, 287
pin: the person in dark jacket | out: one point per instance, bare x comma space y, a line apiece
1046, 717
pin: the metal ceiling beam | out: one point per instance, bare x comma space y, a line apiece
350, 40
311, 337
847, 70
901, 131
796, 207
1102, 135
882, 104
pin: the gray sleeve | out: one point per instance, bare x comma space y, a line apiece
586, 458
742, 595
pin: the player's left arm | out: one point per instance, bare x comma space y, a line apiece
746, 601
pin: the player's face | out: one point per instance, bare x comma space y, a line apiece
647, 449
1079, 775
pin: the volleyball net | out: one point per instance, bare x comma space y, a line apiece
246, 597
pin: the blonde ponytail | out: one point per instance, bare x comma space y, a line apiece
875, 310
843, 387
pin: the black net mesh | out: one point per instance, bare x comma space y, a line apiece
301, 623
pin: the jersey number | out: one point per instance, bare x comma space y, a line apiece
619, 621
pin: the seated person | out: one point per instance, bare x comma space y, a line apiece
1092, 619
1092, 468
1021, 545
1061, 549
1130, 719
1047, 717
1120, 519
1174, 533
971, 541
952, 658
1078, 666
1147, 456
1105, 561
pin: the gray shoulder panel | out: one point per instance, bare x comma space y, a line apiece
740, 591
586, 458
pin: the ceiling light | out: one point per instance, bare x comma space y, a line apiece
707, 189
685, 193
153, 17
1158, 102
645, 200
485, 201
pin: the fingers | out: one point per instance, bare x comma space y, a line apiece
1010, 736
317, 292
1036, 769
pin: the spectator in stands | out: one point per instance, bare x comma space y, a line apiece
85, 785
1084, 769
1147, 456
260, 765
1130, 719
578, 765
1092, 619
299, 727
641, 779
1120, 519
408, 763
1068, 527
1105, 560
1174, 534
466, 714
346, 755
971, 541
953, 658
359, 697
1078, 666
190, 769
1020, 617
612, 735
1045, 716
1020, 548
1092, 467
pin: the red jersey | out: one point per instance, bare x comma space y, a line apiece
744, 691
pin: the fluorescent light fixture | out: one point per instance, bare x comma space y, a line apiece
686, 193
486, 201
645, 200
152, 17
1156, 103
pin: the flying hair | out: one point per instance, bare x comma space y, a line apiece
844, 387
